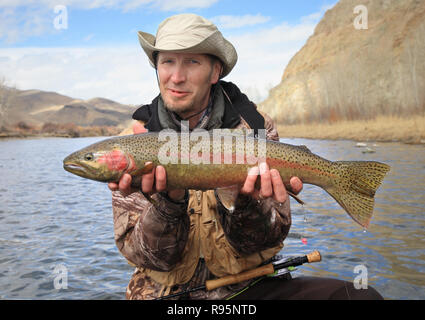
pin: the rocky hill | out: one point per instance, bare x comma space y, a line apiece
35, 107
359, 63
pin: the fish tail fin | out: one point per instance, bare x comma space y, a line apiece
356, 187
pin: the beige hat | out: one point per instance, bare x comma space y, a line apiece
189, 33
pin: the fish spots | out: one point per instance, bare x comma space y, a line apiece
291, 164
115, 160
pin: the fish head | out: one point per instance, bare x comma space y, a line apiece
106, 165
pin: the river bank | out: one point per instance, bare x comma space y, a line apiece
68, 130
382, 129
53, 220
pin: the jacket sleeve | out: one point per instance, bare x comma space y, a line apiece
256, 225
148, 235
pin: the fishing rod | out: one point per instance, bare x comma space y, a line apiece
266, 270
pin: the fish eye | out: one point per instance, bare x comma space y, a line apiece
88, 157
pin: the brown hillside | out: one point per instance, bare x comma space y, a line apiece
344, 73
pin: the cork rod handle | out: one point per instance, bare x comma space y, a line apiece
314, 256
236, 278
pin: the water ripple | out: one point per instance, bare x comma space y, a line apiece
50, 219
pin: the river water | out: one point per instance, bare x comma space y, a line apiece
56, 231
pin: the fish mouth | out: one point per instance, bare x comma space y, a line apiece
73, 167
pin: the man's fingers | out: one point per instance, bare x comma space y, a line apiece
147, 181
124, 184
279, 189
160, 178
113, 186
266, 181
249, 184
296, 185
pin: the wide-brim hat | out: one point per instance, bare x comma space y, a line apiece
189, 33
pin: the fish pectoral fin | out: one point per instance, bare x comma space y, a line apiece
143, 170
136, 180
227, 196
293, 195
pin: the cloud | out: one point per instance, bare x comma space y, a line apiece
123, 74
88, 37
181, 5
22, 19
232, 22
264, 53
316, 16
17, 24
164, 5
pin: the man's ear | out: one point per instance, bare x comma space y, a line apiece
217, 71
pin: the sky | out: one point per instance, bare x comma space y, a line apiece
86, 49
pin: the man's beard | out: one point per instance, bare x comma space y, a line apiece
180, 110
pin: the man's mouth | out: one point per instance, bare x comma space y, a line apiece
178, 93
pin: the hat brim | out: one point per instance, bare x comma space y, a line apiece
215, 45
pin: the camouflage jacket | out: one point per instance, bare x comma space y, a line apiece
176, 246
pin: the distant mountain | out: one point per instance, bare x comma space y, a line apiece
365, 58
37, 107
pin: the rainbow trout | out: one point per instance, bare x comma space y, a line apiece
204, 162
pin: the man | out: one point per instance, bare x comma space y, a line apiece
181, 238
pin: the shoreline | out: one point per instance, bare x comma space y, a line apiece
15, 135
51, 130
41, 136
382, 129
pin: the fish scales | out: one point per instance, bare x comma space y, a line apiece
192, 164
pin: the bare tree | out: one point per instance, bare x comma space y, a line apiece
342, 89
311, 106
7, 97
411, 49
356, 86
415, 46
333, 90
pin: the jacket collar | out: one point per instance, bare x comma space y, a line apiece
236, 105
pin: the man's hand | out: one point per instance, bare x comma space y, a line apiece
271, 184
152, 182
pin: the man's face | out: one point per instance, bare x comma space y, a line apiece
185, 80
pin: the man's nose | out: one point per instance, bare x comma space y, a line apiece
178, 75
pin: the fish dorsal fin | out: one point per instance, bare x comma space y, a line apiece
304, 148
